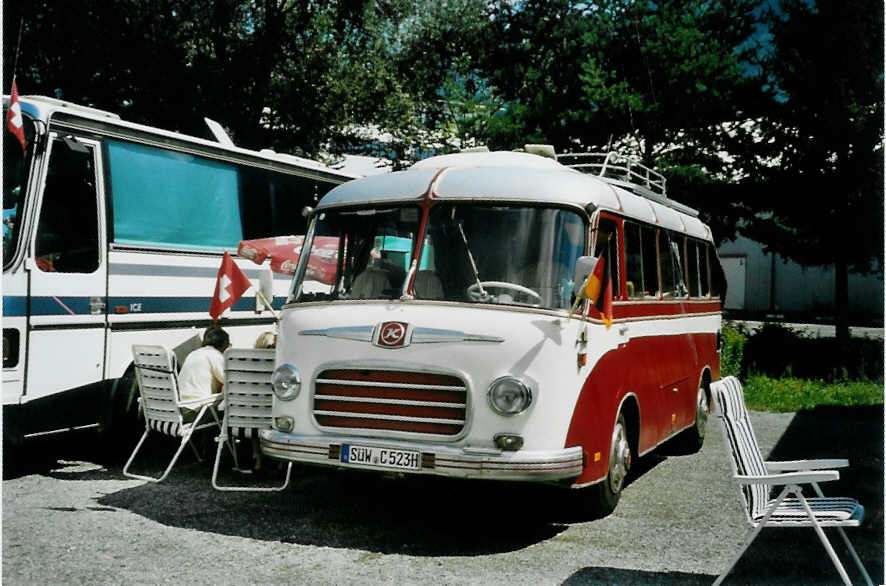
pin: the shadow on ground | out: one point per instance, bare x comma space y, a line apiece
796, 555
411, 515
596, 576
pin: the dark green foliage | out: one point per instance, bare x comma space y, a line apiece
784, 371
733, 341
775, 350
685, 85
823, 203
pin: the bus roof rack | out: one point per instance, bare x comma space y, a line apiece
626, 172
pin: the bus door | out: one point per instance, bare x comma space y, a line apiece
67, 270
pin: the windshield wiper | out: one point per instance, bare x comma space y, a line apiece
473, 264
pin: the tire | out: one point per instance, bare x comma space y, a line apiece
693, 438
122, 425
608, 492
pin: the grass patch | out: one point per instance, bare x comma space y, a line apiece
782, 395
784, 371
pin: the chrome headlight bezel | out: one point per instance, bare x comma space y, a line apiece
509, 396
286, 382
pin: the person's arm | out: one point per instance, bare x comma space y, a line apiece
217, 367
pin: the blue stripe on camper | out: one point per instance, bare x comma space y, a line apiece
16, 306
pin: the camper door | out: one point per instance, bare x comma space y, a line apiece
67, 266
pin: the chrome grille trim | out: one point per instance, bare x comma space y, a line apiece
390, 401
410, 386
391, 417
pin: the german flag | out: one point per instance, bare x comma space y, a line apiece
598, 289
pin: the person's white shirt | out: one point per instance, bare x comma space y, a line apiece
202, 374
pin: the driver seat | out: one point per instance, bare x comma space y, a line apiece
371, 283
428, 285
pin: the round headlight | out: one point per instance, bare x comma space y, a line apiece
509, 396
286, 382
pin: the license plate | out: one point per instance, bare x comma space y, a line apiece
381, 457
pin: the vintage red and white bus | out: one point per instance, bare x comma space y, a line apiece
460, 356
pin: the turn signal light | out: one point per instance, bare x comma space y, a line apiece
284, 424
508, 442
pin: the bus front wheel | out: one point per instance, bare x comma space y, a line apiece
609, 490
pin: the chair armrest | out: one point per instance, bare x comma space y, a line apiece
804, 465
790, 478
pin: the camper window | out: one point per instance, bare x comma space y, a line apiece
67, 233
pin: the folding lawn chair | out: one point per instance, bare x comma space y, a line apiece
248, 397
757, 478
155, 370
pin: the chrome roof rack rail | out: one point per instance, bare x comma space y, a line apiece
626, 172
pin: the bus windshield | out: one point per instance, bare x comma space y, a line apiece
471, 253
360, 254
506, 255
16, 164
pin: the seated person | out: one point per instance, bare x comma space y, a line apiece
203, 372
266, 341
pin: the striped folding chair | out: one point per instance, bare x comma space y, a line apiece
155, 371
248, 397
757, 478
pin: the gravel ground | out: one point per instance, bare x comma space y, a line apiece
76, 521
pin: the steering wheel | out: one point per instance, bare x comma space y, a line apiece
474, 293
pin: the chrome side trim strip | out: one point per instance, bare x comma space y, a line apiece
356, 333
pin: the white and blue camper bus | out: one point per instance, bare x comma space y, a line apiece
113, 234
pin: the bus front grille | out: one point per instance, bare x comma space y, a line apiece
391, 400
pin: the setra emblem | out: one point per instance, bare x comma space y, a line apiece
391, 334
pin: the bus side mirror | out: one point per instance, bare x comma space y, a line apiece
584, 266
266, 287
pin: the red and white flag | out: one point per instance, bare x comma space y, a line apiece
229, 287
14, 116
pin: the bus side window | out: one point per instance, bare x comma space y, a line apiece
636, 284
650, 262
718, 278
67, 233
666, 261
694, 260
676, 242
704, 269
606, 244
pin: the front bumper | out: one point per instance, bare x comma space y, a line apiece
484, 463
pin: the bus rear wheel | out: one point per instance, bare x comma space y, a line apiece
693, 438
609, 490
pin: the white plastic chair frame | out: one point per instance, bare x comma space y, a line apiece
248, 397
155, 371
757, 478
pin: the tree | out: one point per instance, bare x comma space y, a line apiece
822, 197
277, 73
534, 52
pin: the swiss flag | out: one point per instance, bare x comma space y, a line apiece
229, 286
14, 116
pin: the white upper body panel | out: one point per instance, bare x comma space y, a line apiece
511, 177
45, 109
